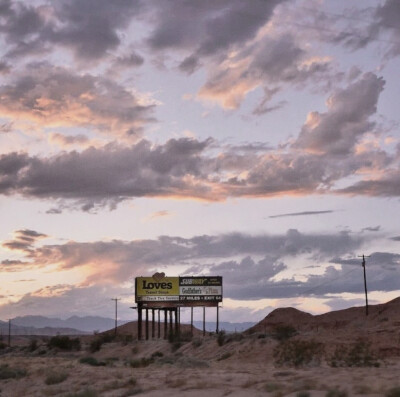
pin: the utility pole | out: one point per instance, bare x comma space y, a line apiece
9, 332
116, 313
365, 283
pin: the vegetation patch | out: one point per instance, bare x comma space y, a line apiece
92, 361
141, 362
393, 392
7, 372
53, 378
356, 355
84, 393
63, 342
336, 393
224, 356
284, 332
298, 353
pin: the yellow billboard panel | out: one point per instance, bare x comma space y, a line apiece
148, 286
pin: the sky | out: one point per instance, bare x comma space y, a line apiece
255, 140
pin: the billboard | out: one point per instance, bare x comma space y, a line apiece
200, 289
157, 289
186, 291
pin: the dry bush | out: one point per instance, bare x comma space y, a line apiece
84, 393
53, 377
357, 355
284, 332
336, 393
298, 353
63, 342
92, 361
225, 356
7, 372
393, 392
141, 362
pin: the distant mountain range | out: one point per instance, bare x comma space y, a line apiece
85, 324
75, 325
41, 325
223, 325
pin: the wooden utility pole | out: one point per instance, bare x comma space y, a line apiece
116, 313
365, 283
9, 332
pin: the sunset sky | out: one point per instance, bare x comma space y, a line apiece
255, 140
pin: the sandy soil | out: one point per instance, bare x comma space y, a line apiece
238, 368
234, 365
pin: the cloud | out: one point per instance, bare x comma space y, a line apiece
301, 213
347, 119
119, 261
111, 173
24, 240
159, 214
253, 266
81, 301
68, 140
388, 185
209, 27
371, 229
53, 96
90, 29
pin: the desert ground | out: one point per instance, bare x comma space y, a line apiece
289, 353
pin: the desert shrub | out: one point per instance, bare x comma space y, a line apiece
92, 361
191, 362
132, 392
176, 346
7, 372
261, 336
84, 393
356, 355
141, 362
235, 336
303, 394
298, 353
95, 344
283, 332
224, 356
54, 378
197, 342
221, 338
63, 342
271, 387
157, 354
2, 345
393, 392
125, 339
32, 345
336, 393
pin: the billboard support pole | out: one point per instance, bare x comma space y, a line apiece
139, 324
165, 323
191, 320
204, 321
170, 331
147, 323
152, 323
158, 334
176, 321
217, 330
